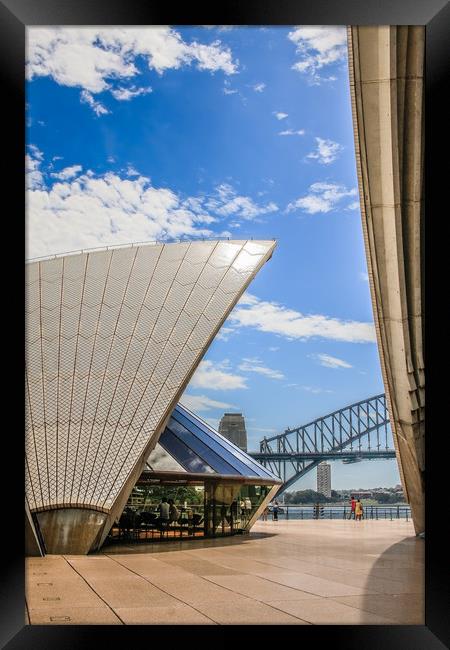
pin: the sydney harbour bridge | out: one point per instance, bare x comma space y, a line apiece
360, 431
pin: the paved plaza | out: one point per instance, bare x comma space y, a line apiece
286, 572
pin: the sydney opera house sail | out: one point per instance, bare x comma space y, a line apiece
112, 338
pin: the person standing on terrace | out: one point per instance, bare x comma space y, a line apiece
359, 510
353, 506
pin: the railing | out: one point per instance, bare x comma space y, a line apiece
323, 511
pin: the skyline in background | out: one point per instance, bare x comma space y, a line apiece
137, 134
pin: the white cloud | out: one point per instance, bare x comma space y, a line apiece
220, 28
125, 94
280, 116
88, 211
291, 132
274, 349
330, 362
213, 422
228, 203
216, 377
256, 365
353, 206
34, 178
96, 58
327, 151
227, 89
199, 403
364, 276
259, 88
322, 197
317, 48
131, 171
262, 430
224, 333
212, 57
315, 390
274, 318
67, 172
75, 210
98, 108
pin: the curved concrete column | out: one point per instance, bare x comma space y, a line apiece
387, 91
32, 542
71, 530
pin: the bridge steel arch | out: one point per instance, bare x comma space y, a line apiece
338, 436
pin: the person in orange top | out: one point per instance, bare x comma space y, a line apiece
358, 510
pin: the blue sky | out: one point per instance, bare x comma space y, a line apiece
137, 134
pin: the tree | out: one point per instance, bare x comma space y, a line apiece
389, 498
305, 496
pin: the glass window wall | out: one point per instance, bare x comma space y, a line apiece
229, 507
159, 510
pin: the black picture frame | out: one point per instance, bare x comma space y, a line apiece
15, 16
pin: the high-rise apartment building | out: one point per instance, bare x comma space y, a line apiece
324, 479
232, 427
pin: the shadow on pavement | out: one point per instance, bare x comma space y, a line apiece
182, 545
395, 586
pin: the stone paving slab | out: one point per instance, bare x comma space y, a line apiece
200, 567
329, 612
260, 589
178, 614
313, 585
249, 613
286, 572
71, 615
405, 609
194, 590
131, 591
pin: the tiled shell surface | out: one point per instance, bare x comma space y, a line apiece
111, 338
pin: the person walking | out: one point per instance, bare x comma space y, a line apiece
265, 513
275, 511
353, 506
359, 510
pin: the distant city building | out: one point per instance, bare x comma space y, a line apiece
324, 479
232, 427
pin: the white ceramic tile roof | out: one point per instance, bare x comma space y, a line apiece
112, 339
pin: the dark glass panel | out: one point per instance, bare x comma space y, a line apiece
183, 454
247, 461
208, 441
205, 452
